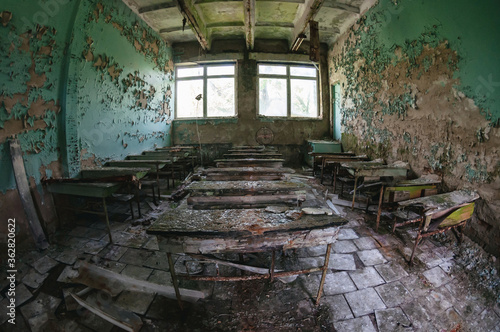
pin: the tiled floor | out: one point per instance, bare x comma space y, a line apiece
369, 286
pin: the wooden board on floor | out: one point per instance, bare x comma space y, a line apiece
25, 195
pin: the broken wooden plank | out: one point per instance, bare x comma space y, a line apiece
442, 202
123, 319
264, 155
114, 283
86, 189
253, 269
393, 194
223, 202
25, 195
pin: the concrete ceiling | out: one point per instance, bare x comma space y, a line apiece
209, 20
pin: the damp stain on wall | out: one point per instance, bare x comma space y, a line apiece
411, 91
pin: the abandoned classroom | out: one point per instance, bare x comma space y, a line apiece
249, 165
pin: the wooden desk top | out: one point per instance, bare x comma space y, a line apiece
86, 189
102, 172
442, 202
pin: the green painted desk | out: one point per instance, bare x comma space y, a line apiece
95, 189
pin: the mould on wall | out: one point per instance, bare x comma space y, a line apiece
410, 92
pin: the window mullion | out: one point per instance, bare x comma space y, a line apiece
288, 93
205, 90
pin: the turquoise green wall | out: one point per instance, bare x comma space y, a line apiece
32, 61
119, 88
420, 83
63, 103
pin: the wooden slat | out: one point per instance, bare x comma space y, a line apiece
223, 202
25, 195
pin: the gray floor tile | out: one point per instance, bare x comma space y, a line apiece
338, 283
362, 324
436, 276
392, 320
343, 262
137, 302
344, 247
393, 294
364, 302
365, 243
137, 272
347, 234
338, 307
371, 257
367, 277
391, 271
135, 256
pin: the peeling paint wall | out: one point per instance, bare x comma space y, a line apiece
79, 80
421, 83
119, 88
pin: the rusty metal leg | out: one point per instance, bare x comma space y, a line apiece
394, 225
379, 212
354, 195
417, 240
322, 169
323, 275
271, 270
131, 209
174, 279
107, 219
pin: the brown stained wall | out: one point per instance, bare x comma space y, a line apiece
242, 130
410, 108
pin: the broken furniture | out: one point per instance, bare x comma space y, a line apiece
334, 162
243, 231
317, 158
154, 165
244, 194
245, 173
317, 147
439, 213
112, 172
102, 190
242, 155
405, 190
373, 170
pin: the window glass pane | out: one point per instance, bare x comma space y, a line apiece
187, 105
220, 97
189, 72
220, 70
272, 97
272, 70
303, 71
304, 98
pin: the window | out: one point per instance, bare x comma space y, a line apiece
205, 91
288, 90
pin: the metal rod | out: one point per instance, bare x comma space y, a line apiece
354, 195
174, 279
323, 275
379, 212
271, 270
107, 219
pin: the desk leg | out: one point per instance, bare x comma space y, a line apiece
158, 176
271, 270
323, 276
174, 279
322, 169
354, 196
107, 219
379, 207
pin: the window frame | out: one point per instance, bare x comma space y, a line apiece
289, 78
205, 79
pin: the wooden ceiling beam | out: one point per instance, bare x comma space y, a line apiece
342, 6
250, 23
224, 25
173, 29
159, 6
275, 24
197, 25
311, 9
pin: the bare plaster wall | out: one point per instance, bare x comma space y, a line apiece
412, 90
